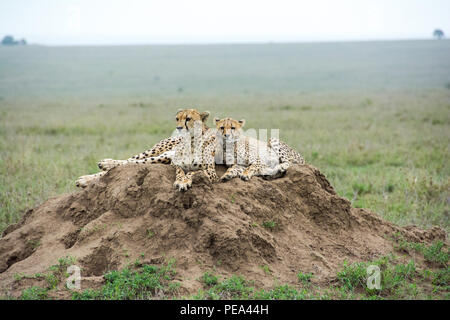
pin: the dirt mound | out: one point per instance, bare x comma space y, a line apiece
294, 223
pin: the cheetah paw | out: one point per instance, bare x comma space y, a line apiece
108, 164
83, 181
183, 185
284, 166
245, 176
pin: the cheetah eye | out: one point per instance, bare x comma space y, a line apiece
232, 128
221, 128
188, 119
176, 119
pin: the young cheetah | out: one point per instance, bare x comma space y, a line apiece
248, 156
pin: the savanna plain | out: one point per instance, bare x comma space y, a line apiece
374, 117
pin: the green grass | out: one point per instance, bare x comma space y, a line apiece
52, 278
34, 293
305, 278
398, 279
144, 282
210, 279
436, 253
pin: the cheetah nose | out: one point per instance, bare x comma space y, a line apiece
179, 128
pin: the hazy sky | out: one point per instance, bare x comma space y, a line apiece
71, 22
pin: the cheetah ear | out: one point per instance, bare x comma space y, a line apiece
204, 115
242, 122
216, 120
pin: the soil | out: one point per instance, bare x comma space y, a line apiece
135, 210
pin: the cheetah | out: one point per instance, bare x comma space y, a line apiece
190, 151
247, 156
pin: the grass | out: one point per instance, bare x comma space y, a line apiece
51, 279
144, 282
210, 279
305, 278
436, 253
399, 279
34, 293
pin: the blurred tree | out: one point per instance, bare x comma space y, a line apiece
9, 41
438, 33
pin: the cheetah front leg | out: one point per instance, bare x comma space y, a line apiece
108, 164
159, 153
84, 181
250, 171
208, 158
210, 172
182, 181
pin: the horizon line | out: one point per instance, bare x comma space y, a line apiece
249, 42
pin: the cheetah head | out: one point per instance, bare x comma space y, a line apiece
229, 128
187, 118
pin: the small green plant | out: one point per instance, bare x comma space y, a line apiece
137, 263
305, 278
19, 276
234, 287
66, 261
441, 277
52, 281
269, 225
352, 275
266, 269
62, 265
283, 292
436, 253
209, 279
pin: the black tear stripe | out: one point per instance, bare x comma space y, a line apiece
185, 124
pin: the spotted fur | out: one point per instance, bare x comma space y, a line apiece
248, 156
